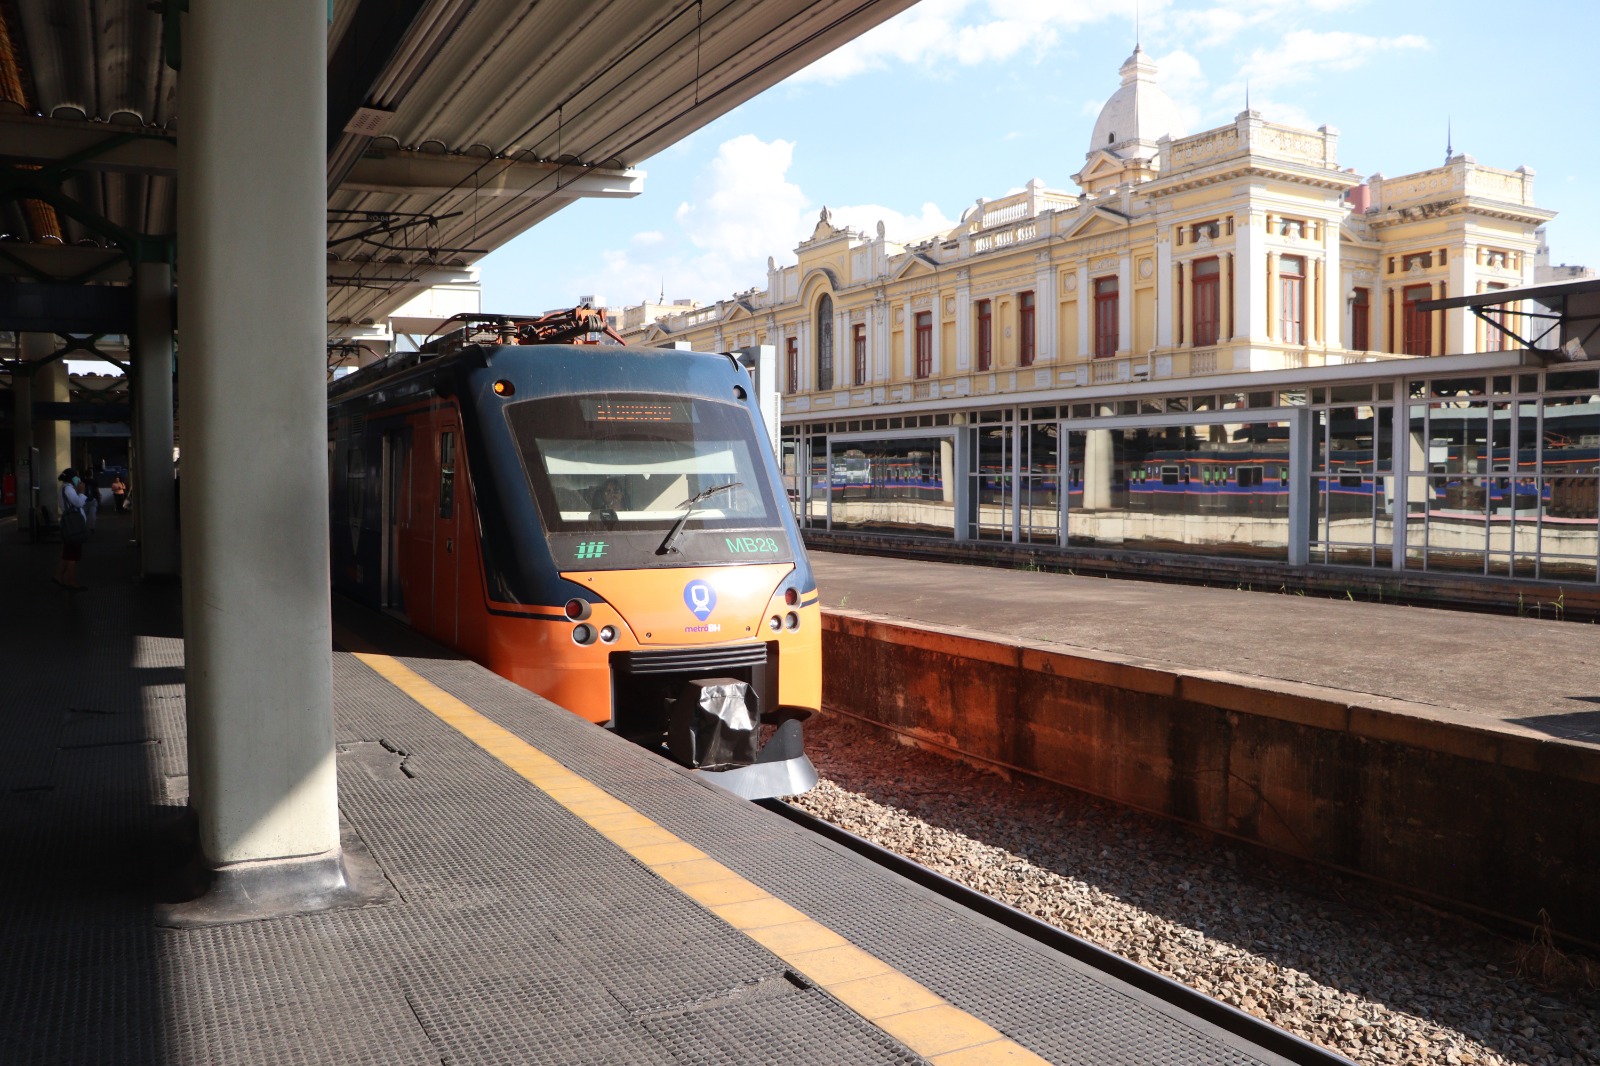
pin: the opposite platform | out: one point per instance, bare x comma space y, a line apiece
557, 895
1454, 754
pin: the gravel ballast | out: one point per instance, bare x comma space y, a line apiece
1346, 964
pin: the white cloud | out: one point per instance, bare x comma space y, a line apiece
1225, 20
899, 227
748, 207
744, 209
1304, 55
1180, 77
965, 32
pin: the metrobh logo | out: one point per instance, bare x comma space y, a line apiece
700, 598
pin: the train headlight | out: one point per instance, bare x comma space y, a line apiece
504, 388
775, 622
577, 609
608, 634
791, 596
583, 634
791, 620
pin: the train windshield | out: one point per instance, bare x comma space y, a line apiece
633, 463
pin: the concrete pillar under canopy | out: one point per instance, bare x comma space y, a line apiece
254, 502
52, 436
155, 514
22, 447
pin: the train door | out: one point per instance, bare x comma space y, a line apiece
446, 537
396, 515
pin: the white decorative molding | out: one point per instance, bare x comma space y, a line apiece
1107, 263
1147, 268
1069, 282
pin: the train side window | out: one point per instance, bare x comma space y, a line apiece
447, 475
1249, 476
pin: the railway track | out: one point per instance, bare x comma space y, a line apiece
1290, 1048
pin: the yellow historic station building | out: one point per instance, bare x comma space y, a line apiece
1211, 347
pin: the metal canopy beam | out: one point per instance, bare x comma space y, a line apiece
417, 174
37, 307
1553, 334
43, 142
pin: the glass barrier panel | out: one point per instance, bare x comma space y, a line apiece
903, 485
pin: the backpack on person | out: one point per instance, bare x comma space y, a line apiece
74, 526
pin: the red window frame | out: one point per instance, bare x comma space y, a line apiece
1292, 299
1418, 330
1106, 328
858, 352
1207, 322
1027, 335
791, 363
985, 335
924, 324
1361, 320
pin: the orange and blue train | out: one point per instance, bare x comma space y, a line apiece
604, 525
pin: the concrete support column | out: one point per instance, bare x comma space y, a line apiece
155, 515
806, 358
1302, 426
1318, 302
1167, 325
255, 465
964, 328
1250, 283
1125, 303
52, 436
1272, 296
882, 355
1085, 312
910, 338
1186, 303
844, 373
1099, 458
22, 446
1441, 322
1459, 334
1046, 312
1225, 299
1334, 305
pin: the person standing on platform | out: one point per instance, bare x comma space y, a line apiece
119, 494
74, 529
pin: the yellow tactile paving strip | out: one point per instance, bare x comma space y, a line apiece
913, 1015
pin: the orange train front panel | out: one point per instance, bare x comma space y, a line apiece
657, 610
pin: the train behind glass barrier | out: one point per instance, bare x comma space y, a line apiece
601, 524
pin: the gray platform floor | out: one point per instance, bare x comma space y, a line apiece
1527, 674
515, 932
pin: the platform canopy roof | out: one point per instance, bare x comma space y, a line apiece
453, 125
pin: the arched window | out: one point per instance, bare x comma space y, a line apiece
825, 343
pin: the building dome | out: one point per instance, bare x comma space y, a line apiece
1137, 112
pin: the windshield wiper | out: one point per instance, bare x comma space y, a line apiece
689, 505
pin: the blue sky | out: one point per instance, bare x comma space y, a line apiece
957, 99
